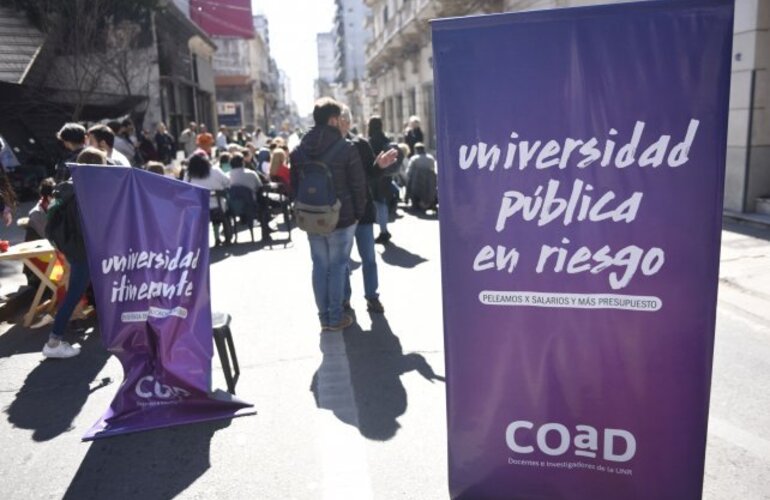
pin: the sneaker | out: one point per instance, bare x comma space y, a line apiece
375, 306
46, 320
382, 238
63, 350
345, 322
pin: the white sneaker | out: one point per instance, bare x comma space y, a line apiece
46, 320
63, 350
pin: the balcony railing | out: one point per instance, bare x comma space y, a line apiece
400, 20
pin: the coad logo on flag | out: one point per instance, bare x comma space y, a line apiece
582, 158
586, 441
148, 388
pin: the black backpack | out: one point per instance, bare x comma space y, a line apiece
63, 228
316, 205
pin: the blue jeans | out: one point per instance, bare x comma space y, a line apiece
330, 254
382, 215
79, 279
365, 245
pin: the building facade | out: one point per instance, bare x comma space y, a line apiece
747, 180
399, 59
400, 82
248, 83
153, 65
186, 89
351, 38
326, 70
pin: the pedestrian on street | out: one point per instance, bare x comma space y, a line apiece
38, 215
382, 190
147, 147
331, 252
73, 137
279, 170
364, 236
66, 234
259, 139
413, 133
101, 137
222, 139
125, 140
187, 138
205, 142
421, 179
201, 173
164, 144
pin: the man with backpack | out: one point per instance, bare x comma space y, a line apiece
330, 198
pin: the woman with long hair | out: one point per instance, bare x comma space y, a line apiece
381, 186
279, 170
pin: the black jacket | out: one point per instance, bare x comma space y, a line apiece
62, 170
413, 136
372, 171
63, 228
346, 169
379, 143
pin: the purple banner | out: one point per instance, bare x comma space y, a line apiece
148, 254
581, 176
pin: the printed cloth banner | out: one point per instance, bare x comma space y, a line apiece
581, 156
147, 243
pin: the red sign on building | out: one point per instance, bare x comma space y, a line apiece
223, 17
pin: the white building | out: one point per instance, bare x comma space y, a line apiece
326, 69
262, 27
351, 37
400, 82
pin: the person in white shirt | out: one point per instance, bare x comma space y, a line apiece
259, 139
101, 137
125, 140
240, 176
222, 139
187, 138
201, 173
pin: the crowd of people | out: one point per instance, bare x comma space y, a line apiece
368, 174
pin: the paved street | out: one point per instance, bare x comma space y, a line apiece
359, 415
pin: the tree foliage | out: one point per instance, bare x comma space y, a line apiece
92, 42
46, 14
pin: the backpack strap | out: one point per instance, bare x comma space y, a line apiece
331, 153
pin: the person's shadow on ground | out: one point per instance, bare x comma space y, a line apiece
146, 465
56, 390
401, 257
364, 368
22, 340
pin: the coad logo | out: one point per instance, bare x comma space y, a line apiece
555, 439
146, 389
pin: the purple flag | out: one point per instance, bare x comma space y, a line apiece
147, 243
581, 175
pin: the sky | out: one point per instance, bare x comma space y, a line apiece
293, 27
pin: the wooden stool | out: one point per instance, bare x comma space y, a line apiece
222, 335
